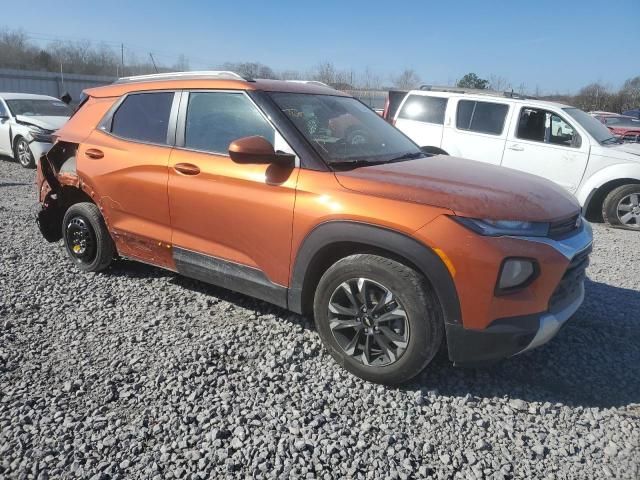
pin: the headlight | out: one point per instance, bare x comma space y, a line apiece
496, 228
40, 134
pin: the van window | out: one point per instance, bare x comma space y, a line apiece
540, 125
143, 117
424, 109
215, 119
483, 117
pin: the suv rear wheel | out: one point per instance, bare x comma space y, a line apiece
621, 207
86, 238
378, 318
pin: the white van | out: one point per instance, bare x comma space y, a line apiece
555, 141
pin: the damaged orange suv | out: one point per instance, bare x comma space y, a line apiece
302, 196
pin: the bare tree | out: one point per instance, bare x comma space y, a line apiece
498, 83
407, 80
325, 72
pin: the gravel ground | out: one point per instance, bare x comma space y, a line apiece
140, 373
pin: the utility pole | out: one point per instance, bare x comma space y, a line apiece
153, 61
122, 58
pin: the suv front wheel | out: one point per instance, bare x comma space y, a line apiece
378, 318
621, 207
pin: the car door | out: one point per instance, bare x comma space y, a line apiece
124, 162
478, 131
421, 118
231, 222
5, 130
544, 143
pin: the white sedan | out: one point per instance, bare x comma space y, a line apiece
27, 123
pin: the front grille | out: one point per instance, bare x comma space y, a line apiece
563, 228
570, 286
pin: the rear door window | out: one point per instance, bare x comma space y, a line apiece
424, 109
143, 117
482, 117
215, 119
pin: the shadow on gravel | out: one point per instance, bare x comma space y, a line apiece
13, 184
592, 362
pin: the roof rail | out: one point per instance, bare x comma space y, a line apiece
310, 82
475, 91
205, 74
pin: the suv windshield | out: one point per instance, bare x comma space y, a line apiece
39, 108
343, 130
594, 127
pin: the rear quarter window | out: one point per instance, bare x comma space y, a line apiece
424, 109
143, 117
482, 117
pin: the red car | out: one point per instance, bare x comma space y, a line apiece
625, 128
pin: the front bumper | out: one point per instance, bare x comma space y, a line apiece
513, 335
39, 148
507, 337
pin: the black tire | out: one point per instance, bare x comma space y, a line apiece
86, 238
22, 153
411, 293
621, 208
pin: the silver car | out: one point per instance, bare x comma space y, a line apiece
27, 123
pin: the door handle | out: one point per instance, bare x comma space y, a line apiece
186, 168
94, 153
516, 148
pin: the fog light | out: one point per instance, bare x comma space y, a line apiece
516, 272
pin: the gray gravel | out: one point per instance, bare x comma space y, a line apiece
138, 372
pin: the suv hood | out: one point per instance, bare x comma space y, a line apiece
468, 188
623, 151
48, 123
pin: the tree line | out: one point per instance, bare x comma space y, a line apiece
17, 51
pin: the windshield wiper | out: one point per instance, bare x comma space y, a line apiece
407, 156
609, 140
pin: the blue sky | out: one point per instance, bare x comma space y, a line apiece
557, 45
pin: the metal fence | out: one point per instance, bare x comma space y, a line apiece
49, 83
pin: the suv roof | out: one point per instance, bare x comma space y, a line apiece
482, 94
208, 79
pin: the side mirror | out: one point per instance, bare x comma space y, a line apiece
258, 150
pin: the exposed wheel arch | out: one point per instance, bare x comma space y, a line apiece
433, 150
331, 241
50, 217
592, 209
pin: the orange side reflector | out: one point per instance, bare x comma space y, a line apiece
447, 261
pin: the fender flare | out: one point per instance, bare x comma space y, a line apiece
613, 172
418, 254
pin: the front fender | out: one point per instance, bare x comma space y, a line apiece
420, 255
607, 174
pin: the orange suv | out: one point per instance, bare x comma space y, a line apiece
302, 196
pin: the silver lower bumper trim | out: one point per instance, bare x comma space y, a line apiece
550, 323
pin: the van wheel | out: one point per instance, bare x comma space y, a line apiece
621, 207
86, 238
22, 153
378, 318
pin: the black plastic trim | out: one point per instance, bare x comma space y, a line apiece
421, 256
229, 275
503, 338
